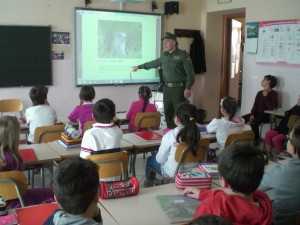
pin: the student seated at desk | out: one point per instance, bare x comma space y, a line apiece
241, 168
104, 134
142, 105
228, 124
285, 181
40, 114
266, 99
277, 136
76, 189
186, 131
11, 160
84, 111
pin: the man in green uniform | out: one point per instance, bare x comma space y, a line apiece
178, 75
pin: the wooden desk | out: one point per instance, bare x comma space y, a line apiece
273, 115
141, 208
139, 146
72, 152
43, 152
276, 112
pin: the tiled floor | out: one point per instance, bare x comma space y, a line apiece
139, 168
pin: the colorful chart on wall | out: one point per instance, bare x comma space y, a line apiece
279, 42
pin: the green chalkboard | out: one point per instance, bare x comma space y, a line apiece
25, 56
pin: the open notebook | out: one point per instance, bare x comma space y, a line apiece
177, 208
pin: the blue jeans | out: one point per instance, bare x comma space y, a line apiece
151, 162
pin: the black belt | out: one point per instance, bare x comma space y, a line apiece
177, 84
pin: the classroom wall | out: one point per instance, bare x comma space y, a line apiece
253, 73
205, 15
63, 95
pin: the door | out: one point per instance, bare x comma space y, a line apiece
232, 55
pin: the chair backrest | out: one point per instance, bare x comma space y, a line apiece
292, 119
13, 185
47, 134
11, 105
184, 155
88, 124
242, 137
111, 164
147, 119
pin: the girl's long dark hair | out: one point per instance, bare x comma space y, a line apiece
145, 93
190, 133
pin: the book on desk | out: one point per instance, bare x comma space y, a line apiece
28, 155
148, 135
35, 214
68, 142
177, 208
69, 146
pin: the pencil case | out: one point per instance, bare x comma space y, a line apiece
119, 189
9, 219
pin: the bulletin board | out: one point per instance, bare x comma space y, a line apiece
279, 42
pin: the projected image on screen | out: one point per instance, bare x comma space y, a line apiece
119, 39
108, 43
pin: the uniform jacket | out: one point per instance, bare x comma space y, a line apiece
177, 67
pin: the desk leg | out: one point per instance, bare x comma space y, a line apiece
272, 122
133, 163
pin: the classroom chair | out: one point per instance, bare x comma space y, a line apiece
13, 185
241, 137
88, 124
262, 127
11, 105
292, 120
184, 155
147, 120
111, 164
45, 134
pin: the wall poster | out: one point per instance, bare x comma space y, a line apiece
279, 42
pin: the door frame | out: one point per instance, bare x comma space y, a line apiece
226, 48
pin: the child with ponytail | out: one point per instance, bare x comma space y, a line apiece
186, 131
228, 124
142, 105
